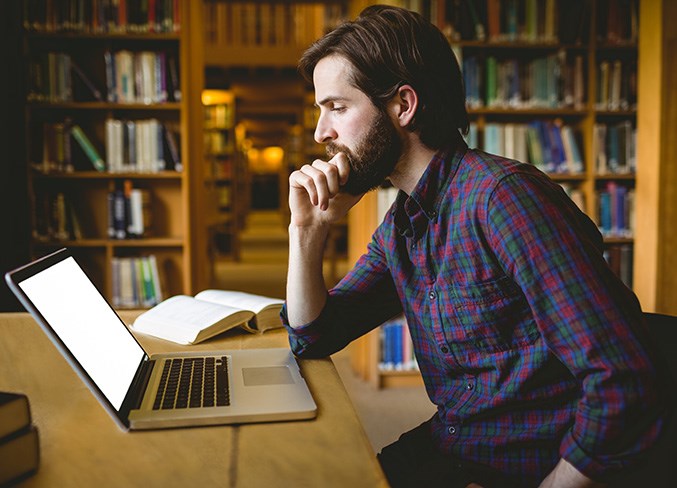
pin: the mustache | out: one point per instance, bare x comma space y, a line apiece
332, 149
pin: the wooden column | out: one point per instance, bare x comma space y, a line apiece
656, 207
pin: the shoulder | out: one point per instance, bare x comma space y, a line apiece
492, 169
485, 181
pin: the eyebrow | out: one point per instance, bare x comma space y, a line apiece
329, 99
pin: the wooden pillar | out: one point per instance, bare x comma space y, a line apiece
655, 260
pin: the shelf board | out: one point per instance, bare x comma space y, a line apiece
106, 36
616, 113
536, 45
397, 379
91, 243
97, 175
614, 176
617, 46
567, 177
618, 240
154, 107
148, 242
519, 111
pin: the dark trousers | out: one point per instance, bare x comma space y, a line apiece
414, 461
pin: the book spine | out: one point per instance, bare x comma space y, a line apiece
19, 455
15, 413
93, 91
119, 214
111, 77
155, 273
88, 148
148, 287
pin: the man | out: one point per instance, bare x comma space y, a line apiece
533, 351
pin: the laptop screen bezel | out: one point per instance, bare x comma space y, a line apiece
13, 280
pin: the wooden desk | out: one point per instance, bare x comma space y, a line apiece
82, 446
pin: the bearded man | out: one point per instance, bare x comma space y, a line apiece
534, 352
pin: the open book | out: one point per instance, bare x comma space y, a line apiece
188, 320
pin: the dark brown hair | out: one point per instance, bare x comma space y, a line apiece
389, 47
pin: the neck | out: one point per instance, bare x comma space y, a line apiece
411, 166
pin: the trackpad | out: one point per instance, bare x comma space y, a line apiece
271, 375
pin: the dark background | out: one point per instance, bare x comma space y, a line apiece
14, 228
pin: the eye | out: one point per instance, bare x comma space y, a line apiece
338, 109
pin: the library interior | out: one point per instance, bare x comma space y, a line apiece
156, 144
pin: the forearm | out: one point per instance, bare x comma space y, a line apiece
565, 475
306, 290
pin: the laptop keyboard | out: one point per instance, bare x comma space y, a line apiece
193, 382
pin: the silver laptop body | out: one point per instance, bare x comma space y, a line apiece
252, 385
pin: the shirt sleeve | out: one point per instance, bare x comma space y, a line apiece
362, 300
590, 321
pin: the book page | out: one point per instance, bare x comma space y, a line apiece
239, 299
181, 318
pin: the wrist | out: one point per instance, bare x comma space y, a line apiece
309, 234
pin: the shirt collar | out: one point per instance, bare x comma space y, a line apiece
414, 212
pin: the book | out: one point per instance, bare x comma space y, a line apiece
396, 348
88, 148
19, 450
19, 455
15, 413
92, 90
188, 320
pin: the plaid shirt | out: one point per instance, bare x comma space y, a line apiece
528, 344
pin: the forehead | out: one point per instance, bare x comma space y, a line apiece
331, 79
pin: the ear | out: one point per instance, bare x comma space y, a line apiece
405, 104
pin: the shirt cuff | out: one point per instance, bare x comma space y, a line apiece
591, 467
300, 338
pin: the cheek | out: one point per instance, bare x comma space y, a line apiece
353, 130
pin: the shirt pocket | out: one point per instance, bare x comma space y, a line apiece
493, 315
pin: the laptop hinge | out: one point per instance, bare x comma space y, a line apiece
140, 384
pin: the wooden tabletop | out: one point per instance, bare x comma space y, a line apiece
82, 446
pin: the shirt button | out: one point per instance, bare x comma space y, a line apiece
451, 430
433, 214
444, 349
432, 295
469, 385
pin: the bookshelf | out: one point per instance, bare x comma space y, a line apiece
266, 33
624, 183
111, 107
269, 37
221, 173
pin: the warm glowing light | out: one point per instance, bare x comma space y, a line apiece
215, 97
266, 160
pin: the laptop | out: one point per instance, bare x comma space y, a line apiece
143, 391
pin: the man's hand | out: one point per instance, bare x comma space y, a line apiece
314, 192
565, 475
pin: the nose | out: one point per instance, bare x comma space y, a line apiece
323, 131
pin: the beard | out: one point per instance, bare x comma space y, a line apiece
374, 157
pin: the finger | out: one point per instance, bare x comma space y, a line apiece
340, 160
300, 180
321, 187
331, 173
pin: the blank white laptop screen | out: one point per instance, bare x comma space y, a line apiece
87, 326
